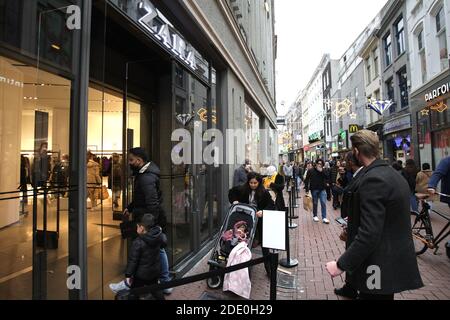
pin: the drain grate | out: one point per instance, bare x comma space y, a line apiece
286, 281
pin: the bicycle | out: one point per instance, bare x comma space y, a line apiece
422, 229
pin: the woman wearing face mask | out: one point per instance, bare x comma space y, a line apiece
254, 193
317, 181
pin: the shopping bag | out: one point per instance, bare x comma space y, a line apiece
105, 193
308, 202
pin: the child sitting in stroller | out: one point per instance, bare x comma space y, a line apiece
231, 238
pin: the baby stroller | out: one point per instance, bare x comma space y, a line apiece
237, 215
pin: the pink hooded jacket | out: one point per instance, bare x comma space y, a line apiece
239, 281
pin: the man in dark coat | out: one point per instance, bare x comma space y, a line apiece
240, 174
147, 198
355, 169
380, 259
442, 174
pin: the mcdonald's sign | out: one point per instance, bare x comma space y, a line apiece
354, 128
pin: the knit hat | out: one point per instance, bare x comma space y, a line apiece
140, 153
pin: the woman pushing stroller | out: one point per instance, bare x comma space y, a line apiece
254, 193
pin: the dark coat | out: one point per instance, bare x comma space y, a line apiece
240, 177
144, 261
410, 178
147, 196
346, 196
316, 180
442, 174
278, 187
379, 232
263, 202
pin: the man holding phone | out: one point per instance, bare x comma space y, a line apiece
380, 258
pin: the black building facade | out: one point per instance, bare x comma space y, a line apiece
103, 76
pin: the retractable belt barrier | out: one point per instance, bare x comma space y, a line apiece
196, 278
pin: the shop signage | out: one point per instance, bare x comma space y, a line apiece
436, 93
203, 115
380, 106
166, 35
398, 124
10, 81
315, 137
354, 128
184, 119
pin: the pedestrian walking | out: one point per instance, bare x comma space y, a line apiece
316, 181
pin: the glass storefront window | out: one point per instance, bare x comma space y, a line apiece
440, 119
441, 145
46, 26
34, 144
252, 137
424, 139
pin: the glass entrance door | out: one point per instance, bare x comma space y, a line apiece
191, 212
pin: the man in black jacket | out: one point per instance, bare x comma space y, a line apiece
317, 181
355, 168
380, 259
147, 198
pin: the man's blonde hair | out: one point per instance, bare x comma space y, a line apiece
367, 143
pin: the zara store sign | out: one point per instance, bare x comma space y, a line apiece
165, 35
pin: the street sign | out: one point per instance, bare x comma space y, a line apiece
354, 128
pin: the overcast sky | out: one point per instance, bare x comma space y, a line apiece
306, 30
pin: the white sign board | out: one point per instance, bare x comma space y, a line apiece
274, 230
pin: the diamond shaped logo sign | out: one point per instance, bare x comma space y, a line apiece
184, 119
380, 106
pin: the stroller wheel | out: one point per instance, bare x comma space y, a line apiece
214, 282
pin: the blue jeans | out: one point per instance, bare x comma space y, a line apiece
322, 194
165, 275
299, 183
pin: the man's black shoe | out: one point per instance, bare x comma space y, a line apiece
347, 292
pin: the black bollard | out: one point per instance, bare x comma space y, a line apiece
291, 225
288, 262
292, 206
273, 274
294, 198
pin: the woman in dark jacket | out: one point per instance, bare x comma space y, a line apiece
254, 193
410, 174
278, 187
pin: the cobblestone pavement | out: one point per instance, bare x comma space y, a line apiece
314, 244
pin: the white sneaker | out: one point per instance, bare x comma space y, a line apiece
316, 219
326, 221
117, 287
168, 291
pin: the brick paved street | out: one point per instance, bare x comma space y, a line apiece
314, 244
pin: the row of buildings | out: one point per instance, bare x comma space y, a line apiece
393, 79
